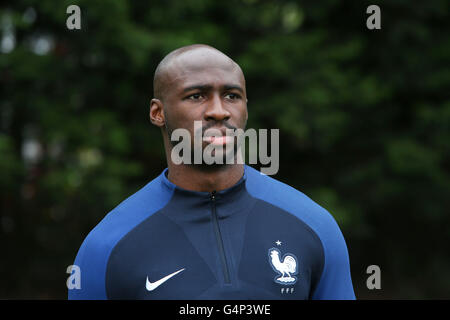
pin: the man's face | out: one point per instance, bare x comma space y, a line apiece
205, 86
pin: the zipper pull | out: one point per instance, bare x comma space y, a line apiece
213, 195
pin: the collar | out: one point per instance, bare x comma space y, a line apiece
219, 194
227, 199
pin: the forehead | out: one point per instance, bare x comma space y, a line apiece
205, 67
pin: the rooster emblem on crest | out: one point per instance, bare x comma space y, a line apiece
285, 267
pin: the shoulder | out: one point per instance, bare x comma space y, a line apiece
335, 282
95, 250
291, 200
130, 212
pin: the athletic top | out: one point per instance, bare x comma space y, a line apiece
259, 239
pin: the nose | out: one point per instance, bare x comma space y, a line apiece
216, 111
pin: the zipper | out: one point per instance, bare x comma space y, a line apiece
223, 258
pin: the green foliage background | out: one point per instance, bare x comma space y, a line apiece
364, 120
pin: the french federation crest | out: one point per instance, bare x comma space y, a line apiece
285, 267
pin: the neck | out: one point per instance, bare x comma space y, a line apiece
196, 178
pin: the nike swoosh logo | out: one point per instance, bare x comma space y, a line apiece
150, 286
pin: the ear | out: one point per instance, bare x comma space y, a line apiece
246, 110
157, 113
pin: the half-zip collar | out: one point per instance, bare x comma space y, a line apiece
199, 213
195, 201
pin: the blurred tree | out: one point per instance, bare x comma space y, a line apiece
363, 115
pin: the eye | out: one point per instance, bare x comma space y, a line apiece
232, 96
195, 96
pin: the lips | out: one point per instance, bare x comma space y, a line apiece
217, 136
217, 140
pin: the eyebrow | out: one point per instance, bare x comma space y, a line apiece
232, 86
206, 87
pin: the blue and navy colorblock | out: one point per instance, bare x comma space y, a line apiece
221, 240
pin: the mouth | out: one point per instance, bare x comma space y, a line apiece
218, 140
217, 136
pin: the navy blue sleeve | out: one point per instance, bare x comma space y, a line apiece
336, 282
91, 259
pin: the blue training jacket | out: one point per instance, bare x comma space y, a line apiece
259, 239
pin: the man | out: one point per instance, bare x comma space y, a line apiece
211, 231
